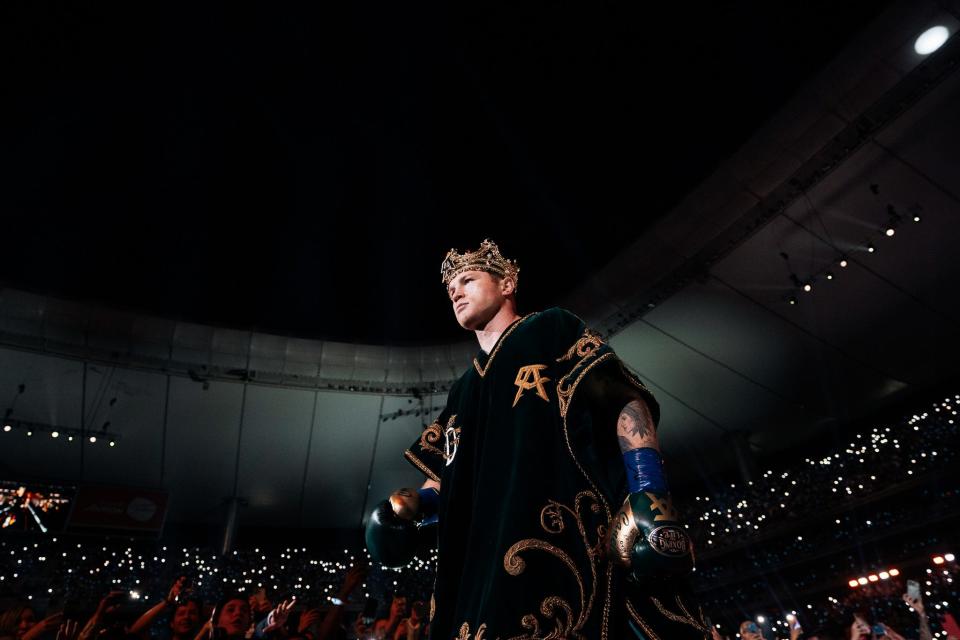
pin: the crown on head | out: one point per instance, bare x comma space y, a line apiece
486, 258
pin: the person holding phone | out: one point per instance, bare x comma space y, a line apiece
749, 630
915, 602
185, 620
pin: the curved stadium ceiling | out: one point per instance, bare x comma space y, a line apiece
309, 432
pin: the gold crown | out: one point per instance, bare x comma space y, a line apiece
486, 258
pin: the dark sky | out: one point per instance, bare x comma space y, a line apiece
302, 170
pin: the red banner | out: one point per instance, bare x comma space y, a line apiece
101, 507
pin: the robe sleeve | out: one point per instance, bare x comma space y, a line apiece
426, 452
594, 374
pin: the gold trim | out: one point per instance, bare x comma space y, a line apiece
483, 371
431, 437
688, 619
606, 507
565, 390
420, 465
584, 347
515, 565
640, 621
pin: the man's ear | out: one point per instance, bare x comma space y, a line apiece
508, 286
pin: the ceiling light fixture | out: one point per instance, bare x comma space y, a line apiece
931, 40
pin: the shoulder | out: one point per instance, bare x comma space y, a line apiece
558, 320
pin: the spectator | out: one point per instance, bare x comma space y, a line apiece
231, 618
185, 621
415, 627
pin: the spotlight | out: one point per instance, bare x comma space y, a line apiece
829, 275
69, 438
843, 263
894, 572
853, 584
870, 247
807, 287
938, 560
931, 40
872, 577
861, 580
890, 231
93, 439
7, 428
55, 434
112, 443
884, 575
949, 557
29, 433
761, 619
916, 218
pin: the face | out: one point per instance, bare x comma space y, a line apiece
259, 602
860, 626
185, 619
477, 296
235, 617
27, 620
398, 606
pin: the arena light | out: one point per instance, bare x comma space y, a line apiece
931, 40
862, 580
884, 575
761, 619
949, 557
872, 577
894, 573
853, 584
7, 428
937, 559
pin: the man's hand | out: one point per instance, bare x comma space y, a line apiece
914, 603
889, 633
278, 617
308, 619
68, 630
354, 578
176, 589
46, 625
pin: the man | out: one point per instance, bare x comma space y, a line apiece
526, 467
184, 623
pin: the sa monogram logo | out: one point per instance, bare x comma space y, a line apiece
451, 442
528, 377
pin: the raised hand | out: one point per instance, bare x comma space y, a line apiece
354, 578
68, 630
308, 619
44, 626
278, 617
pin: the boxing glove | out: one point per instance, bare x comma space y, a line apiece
391, 533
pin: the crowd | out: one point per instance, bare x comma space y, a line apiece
751, 554
905, 453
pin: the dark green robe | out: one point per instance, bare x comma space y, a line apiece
531, 475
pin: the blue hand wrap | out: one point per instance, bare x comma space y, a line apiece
429, 502
645, 470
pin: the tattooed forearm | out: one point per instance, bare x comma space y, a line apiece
635, 427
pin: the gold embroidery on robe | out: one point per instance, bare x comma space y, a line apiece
528, 377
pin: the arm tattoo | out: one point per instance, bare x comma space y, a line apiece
635, 427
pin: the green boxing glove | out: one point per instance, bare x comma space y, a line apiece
647, 538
